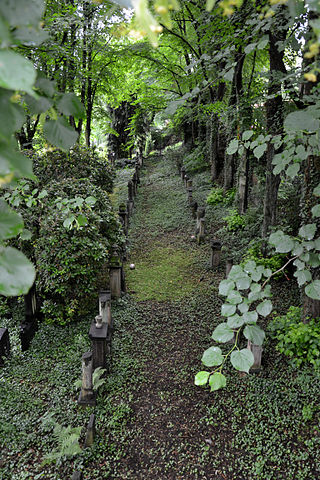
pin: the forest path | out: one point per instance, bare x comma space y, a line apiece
173, 301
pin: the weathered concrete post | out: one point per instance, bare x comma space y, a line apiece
201, 232
189, 183
116, 274
91, 431
98, 335
124, 217
182, 172
4, 344
257, 355
87, 396
200, 225
194, 208
229, 264
186, 179
215, 253
189, 195
105, 306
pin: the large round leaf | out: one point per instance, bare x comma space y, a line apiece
201, 378
313, 290
222, 333
217, 381
17, 273
227, 310
59, 133
11, 224
212, 357
264, 308
242, 360
16, 72
255, 334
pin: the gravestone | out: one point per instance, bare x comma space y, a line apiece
98, 335
257, 355
91, 431
4, 344
215, 253
87, 395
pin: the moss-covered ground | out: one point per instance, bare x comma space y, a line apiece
152, 422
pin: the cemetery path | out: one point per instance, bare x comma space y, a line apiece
173, 301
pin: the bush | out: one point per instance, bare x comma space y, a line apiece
196, 161
217, 195
80, 163
274, 262
235, 221
297, 340
70, 254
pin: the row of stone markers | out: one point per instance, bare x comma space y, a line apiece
101, 329
198, 213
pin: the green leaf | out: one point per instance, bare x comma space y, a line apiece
17, 273
255, 287
282, 242
225, 287
233, 146
250, 48
247, 135
301, 120
229, 76
308, 231
45, 85
255, 334
313, 290
264, 308
82, 220
22, 12
16, 72
201, 378
250, 266
316, 191
217, 381
250, 317
234, 298
242, 360
263, 43
38, 105
12, 161
212, 357
259, 150
243, 307
59, 133
316, 210
293, 170
222, 333
90, 201
314, 260
303, 276
12, 116
227, 310
243, 283
210, 5
69, 104
235, 321
26, 234
68, 222
11, 224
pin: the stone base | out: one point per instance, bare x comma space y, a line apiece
87, 402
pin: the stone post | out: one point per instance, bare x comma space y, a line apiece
98, 335
182, 172
215, 253
91, 431
229, 264
189, 196
105, 306
138, 173
201, 232
87, 396
135, 183
257, 355
4, 344
30, 323
115, 280
189, 183
124, 218
130, 201
194, 208
186, 179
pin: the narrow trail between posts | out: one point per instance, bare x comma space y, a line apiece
173, 300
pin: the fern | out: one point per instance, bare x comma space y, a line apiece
97, 381
67, 439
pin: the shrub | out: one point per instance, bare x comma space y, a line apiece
217, 195
235, 221
70, 256
196, 161
297, 340
274, 262
80, 163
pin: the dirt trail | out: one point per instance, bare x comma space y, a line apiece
168, 437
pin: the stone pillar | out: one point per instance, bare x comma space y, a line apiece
115, 280
194, 208
189, 196
105, 306
189, 183
186, 179
138, 173
257, 355
124, 218
98, 335
134, 183
215, 253
229, 264
87, 396
30, 323
91, 431
182, 172
4, 344
201, 233
130, 201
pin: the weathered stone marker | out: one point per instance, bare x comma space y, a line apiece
229, 264
186, 179
200, 225
130, 201
189, 196
138, 173
124, 217
189, 183
257, 355
98, 335
202, 231
105, 306
77, 476
87, 396
194, 208
91, 431
215, 253
115, 280
182, 172
4, 344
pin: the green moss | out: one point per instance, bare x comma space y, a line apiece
162, 274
